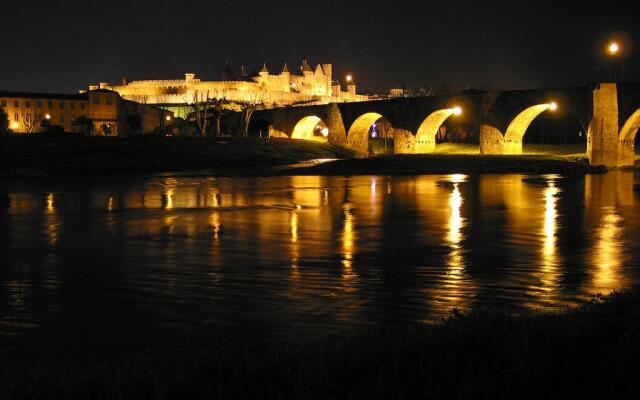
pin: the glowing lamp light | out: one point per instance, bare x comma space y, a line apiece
14, 125
553, 106
325, 131
349, 78
168, 117
614, 48
457, 110
48, 116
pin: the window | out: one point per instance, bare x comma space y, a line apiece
4, 103
27, 104
72, 105
62, 105
50, 104
109, 99
16, 117
82, 106
96, 99
62, 118
38, 104
16, 104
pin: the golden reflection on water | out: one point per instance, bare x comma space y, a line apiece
348, 244
607, 274
548, 276
454, 277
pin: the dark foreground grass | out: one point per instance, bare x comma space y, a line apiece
588, 353
61, 156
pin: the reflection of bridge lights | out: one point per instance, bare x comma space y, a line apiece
550, 220
553, 106
457, 178
325, 131
455, 221
50, 202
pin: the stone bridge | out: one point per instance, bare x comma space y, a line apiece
608, 112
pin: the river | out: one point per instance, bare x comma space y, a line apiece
127, 262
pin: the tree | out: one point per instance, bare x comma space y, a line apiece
219, 110
31, 121
200, 102
4, 121
247, 106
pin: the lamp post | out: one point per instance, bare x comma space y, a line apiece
613, 50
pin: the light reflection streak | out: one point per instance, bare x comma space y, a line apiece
548, 276
295, 246
608, 253
348, 244
50, 204
455, 272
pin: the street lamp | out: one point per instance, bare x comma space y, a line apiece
349, 78
553, 106
457, 110
614, 50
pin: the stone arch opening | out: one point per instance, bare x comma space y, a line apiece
358, 135
428, 130
559, 132
310, 128
381, 137
627, 140
518, 127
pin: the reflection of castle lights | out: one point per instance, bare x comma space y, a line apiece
294, 226
608, 253
455, 221
550, 222
348, 241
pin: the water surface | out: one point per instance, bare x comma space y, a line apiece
112, 263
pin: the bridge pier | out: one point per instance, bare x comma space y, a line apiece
404, 142
491, 140
602, 137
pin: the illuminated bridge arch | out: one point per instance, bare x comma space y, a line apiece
426, 135
307, 127
358, 135
518, 127
628, 133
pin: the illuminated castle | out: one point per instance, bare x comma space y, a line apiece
311, 86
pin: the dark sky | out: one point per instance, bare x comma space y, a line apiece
63, 45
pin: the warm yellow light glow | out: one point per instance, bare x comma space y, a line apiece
325, 131
349, 78
457, 110
455, 220
50, 206
168, 117
294, 226
348, 242
614, 48
15, 125
305, 127
48, 116
553, 106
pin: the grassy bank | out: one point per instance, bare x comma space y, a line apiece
587, 353
42, 156
414, 164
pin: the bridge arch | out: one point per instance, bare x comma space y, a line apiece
426, 134
627, 138
518, 127
310, 128
358, 134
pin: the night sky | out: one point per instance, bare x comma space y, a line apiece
66, 45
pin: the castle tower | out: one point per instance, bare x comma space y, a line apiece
264, 72
286, 78
328, 70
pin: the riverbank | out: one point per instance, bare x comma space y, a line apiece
38, 156
588, 353
44, 157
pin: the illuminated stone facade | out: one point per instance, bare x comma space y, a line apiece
311, 86
104, 111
